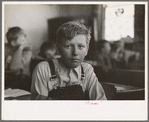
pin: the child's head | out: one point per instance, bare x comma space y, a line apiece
119, 44
73, 40
16, 36
116, 52
103, 46
48, 50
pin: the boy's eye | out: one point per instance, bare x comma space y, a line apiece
81, 47
67, 46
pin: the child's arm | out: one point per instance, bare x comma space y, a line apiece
94, 88
40, 78
16, 59
16, 63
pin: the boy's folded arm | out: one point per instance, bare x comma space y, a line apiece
40, 79
95, 89
16, 60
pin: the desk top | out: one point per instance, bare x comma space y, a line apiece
120, 88
29, 97
19, 94
16, 94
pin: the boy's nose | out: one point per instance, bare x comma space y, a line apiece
75, 51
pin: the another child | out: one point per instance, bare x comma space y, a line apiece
14, 49
121, 58
69, 71
48, 50
103, 55
17, 59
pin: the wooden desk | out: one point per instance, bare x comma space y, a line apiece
125, 88
19, 94
127, 92
123, 92
29, 97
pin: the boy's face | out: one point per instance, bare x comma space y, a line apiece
73, 51
50, 53
20, 40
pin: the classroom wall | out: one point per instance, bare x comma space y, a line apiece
75, 10
33, 19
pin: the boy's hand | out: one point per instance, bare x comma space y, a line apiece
25, 45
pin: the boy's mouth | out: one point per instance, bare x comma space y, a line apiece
74, 59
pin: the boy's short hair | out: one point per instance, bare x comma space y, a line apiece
13, 33
70, 29
46, 46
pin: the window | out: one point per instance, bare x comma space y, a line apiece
119, 21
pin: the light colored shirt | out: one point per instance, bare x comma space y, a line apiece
14, 58
41, 83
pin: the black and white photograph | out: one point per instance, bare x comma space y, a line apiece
74, 60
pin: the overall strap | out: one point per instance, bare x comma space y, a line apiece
82, 73
53, 74
52, 68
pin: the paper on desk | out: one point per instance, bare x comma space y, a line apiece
15, 92
119, 88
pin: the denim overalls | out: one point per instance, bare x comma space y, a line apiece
73, 91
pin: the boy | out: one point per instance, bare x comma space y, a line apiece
103, 55
72, 40
17, 59
14, 48
48, 50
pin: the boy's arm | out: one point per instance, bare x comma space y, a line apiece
17, 59
40, 79
105, 66
16, 63
94, 88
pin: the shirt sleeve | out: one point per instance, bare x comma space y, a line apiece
94, 87
40, 79
8, 58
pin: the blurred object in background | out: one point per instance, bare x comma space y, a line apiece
48, 51
120, 57
103, 58
103, 55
